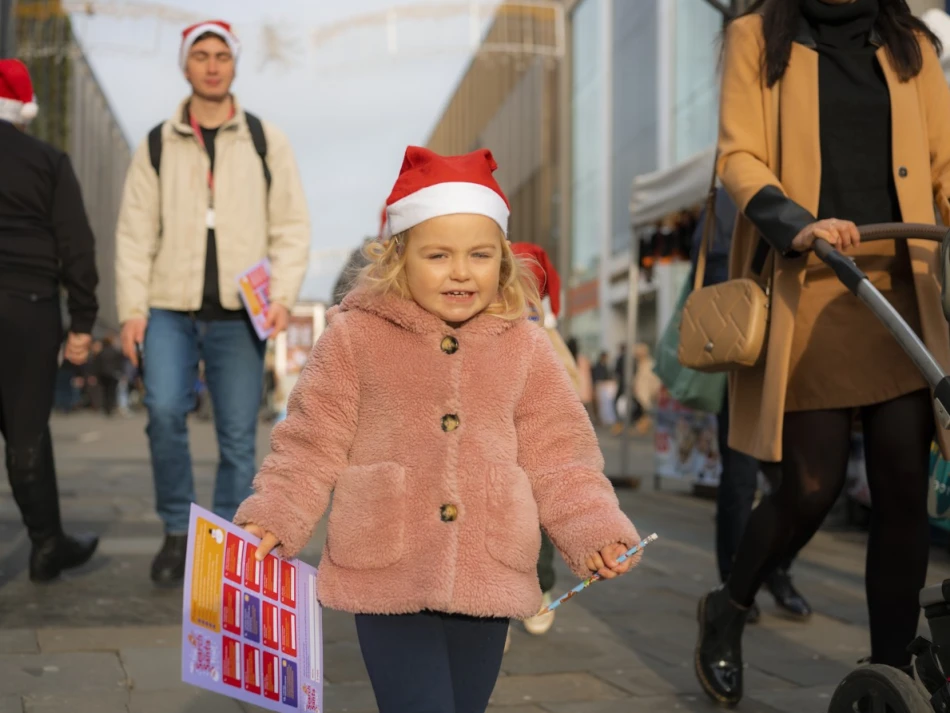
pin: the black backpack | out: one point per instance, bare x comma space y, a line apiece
257, 136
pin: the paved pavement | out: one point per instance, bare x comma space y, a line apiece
103, 640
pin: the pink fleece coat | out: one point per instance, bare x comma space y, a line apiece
366, 422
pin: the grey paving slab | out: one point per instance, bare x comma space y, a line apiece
18, 641
554, 687
60, 673
343, 663
109, 638
665, 704
112, 702
186, 700
800, 700
349, 698
11, 704
153, 669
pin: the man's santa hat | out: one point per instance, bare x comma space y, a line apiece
215, 27
549, 282
430, 185
17, 100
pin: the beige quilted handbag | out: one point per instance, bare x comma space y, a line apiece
723, 326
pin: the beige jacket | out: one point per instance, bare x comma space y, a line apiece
160, 255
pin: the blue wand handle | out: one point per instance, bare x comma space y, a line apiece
590, 580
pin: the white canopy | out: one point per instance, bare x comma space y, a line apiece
656, 195
939, 23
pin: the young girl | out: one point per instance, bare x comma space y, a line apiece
447, 430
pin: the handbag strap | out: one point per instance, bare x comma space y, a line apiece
709, 224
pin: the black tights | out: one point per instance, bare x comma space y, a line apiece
815, 445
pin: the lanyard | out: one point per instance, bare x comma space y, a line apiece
199, 136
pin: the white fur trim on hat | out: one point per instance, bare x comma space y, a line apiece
447, 199
17, 112
230, 39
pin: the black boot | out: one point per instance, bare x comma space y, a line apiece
168, 567
718, 658
786, 596
33, 481
753, 614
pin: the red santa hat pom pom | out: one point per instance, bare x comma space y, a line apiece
17, 101
29, 111
430, 185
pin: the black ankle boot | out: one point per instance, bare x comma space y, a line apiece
33, 481
718, 658
48, 559
786, 596
168, 567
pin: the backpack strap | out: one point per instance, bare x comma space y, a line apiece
256, 128
155, 147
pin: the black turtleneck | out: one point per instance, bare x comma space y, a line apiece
857, 181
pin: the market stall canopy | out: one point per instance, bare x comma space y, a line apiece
656, 195
939, 23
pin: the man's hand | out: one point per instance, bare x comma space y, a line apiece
277, 318
77, 348
133, 332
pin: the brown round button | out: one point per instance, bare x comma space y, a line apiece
450, 422
449, 513
450, 345
902, 172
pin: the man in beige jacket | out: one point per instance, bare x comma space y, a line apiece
209, 194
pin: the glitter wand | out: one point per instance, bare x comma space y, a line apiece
590, 580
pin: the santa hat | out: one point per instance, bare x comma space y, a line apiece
216, 27
17, 100
383, 226
430, 185
549, 282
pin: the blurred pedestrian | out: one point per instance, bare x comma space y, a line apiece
45, 244
176, 275
864, 137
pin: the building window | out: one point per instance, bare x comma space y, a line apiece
635, 118
589, 145
695, 78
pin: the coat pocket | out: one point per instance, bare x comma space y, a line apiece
367, 521
514, 533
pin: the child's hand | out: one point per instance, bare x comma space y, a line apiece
605, 564
268, 541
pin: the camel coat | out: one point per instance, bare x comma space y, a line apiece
754, 152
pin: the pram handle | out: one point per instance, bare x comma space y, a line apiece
856, 281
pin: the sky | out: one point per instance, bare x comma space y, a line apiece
348, 105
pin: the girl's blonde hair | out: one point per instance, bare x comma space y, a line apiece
517, 288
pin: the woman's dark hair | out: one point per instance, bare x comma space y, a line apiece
895, 23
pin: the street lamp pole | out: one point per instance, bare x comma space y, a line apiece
7, 31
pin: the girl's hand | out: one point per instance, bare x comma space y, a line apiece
605, 564
268, 541
842, 234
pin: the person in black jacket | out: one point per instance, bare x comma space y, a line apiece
739, 481
45, 243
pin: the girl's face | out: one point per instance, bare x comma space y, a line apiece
453, 264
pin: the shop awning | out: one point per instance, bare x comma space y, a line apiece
656, 195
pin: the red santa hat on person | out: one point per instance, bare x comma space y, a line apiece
216, 27
17, 100
549, 282
430, 185
383, 225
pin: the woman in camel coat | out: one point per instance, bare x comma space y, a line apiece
846, 123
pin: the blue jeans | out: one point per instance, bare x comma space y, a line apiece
234, 368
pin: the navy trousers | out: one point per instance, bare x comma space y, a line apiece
431, 662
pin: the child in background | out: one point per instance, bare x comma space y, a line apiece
549, 289
447, 430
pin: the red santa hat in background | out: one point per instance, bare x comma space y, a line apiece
216, 27
17, 100
430, 185
549, 282
383, 226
